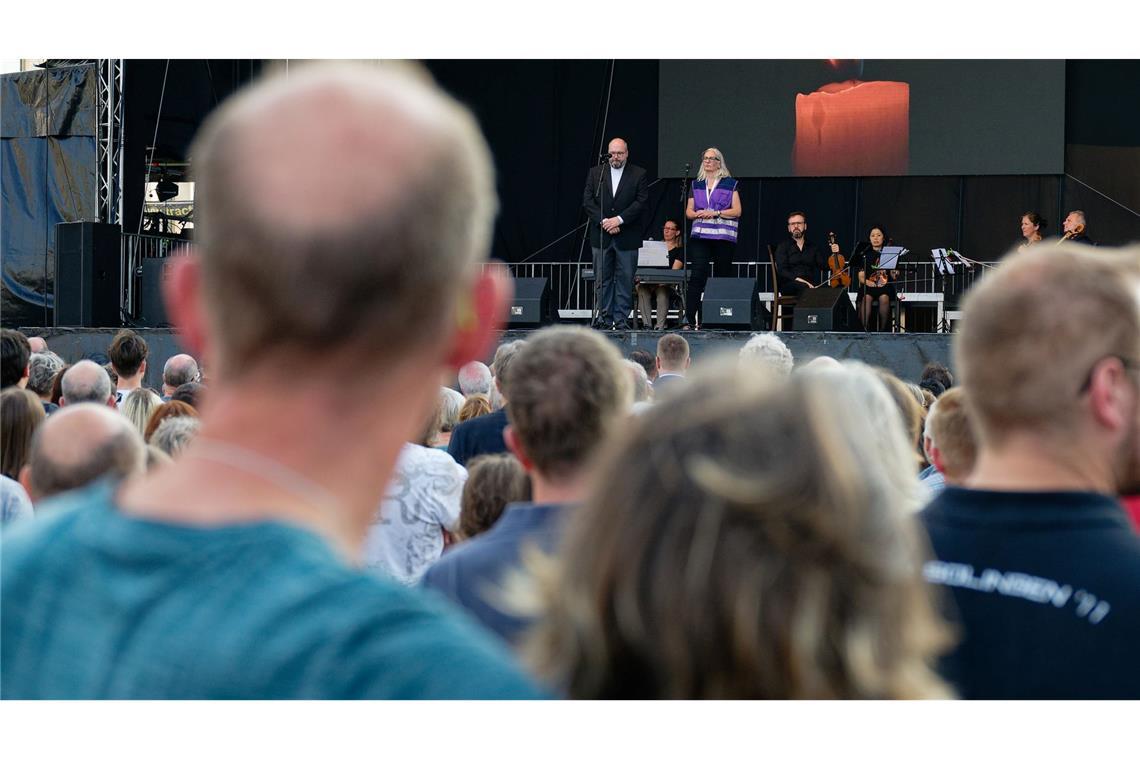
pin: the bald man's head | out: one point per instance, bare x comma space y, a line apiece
179, 370
37, 344
345, 175
78, 445
86, 381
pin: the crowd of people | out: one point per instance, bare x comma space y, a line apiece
322, 519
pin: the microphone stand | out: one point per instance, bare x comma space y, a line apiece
603, 162
685, 246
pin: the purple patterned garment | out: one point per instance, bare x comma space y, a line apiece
714, 229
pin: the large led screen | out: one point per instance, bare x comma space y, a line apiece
852, 118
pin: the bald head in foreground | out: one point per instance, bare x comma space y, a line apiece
241, 555
78, 445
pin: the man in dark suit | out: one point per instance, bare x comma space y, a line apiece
615, 200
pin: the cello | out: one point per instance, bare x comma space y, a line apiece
837, 264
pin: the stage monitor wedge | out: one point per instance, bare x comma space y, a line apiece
732, 303
825, 310
530, 306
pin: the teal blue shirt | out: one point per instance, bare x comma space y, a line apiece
97, 604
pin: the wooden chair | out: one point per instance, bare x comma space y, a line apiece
778, 301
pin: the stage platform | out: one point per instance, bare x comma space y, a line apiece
904, 354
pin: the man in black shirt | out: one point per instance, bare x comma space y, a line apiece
1036, 553
1075, 228
799, 264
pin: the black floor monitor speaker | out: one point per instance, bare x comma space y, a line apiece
88, 282
152, 309
530, 306
732, 303
825, 310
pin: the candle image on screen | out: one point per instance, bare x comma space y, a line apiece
853, 128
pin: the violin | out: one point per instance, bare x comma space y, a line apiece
840, 272
877, 278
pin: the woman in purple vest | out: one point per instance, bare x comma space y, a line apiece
714, 209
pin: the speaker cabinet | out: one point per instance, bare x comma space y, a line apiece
732, 303
825, 310
152, 309
531, 304
88, 280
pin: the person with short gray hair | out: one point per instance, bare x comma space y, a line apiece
174, 433
475, 377
639, 380
767, 351
42, 369
484, 434
86, 381
78, 445
178, 370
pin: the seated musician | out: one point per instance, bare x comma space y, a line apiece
876, 286
646, 292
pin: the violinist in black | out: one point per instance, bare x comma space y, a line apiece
876, 286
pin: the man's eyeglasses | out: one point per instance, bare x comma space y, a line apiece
1128, 364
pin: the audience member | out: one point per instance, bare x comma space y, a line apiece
419, 512
229, 573
768, 351
908, 399
156, 457
567, 390
190, 393
77, 446
14, 502
20, 414
948, 441
178, 370
484, 434
646, 360
672, 360
493, 482
138, 407
165, 411
776, 560
939, 373
42, 368
57, 385
14, 358
450, 403
499, 363
37, 345
1042, 563
128, 352
476, 405
475, 377
639, 381
86, 381
174, 434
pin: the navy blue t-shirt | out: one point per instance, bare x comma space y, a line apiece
1045, 590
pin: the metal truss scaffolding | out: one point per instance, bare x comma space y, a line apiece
109, 140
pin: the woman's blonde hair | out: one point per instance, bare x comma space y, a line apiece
720, 173
743, 541
139, 405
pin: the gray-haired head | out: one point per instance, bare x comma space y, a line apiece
174, 434
178, 370
475, 377
639, 379
86, 381
41, 372
80, 444
500, 366
767, 351
450, 402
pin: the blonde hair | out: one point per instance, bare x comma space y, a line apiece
138, 406
720, 173
743, 541
1033, 329
949, 430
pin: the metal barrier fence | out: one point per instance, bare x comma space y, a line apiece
573, 295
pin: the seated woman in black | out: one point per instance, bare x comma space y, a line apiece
875, 285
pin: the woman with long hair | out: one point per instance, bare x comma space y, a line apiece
21, 412
778, 558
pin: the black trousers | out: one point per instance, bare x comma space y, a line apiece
702, 253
